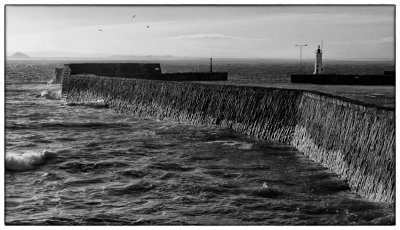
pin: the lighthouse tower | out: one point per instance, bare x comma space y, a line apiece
318, 61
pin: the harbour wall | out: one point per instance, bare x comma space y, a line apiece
114, 69
150, 71
355, 140
59, 72
388, 78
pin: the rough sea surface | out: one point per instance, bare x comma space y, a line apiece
85, 164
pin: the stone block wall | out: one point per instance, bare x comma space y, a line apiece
355, 140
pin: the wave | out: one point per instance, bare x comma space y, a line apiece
266, 191
79, 166
58, 125
132, 173
169, 166
26, 161
50, 95
236, 144
132, 188
95, 105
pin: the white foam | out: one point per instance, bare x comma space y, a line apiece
26, 161
245, 146
236, 144
50, 95
52, 81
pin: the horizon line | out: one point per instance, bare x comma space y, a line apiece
105, 56
170, 57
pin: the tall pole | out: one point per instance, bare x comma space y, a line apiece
301, 56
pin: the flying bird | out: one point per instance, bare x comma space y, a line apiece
134, 16
148, 26
100, 29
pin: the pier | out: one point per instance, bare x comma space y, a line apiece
353, 139
151, 71
321, 77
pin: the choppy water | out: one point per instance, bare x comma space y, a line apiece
75, 164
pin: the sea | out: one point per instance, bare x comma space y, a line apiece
86, 164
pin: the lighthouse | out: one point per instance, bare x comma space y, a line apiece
318, 61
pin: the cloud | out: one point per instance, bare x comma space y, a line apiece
212, 37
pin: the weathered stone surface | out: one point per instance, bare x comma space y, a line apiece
355, 140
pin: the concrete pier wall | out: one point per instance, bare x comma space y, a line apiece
58, 78
151, 71
335, 79
355, 140
115, 69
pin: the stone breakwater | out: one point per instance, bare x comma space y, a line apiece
388, 78
355, 140
58, 77
150, 71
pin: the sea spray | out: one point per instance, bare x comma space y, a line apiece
26, 161
233, 144
50, 95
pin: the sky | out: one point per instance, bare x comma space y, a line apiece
347, 32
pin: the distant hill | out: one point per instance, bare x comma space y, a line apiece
19, 56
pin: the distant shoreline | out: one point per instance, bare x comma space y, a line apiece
191, 59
